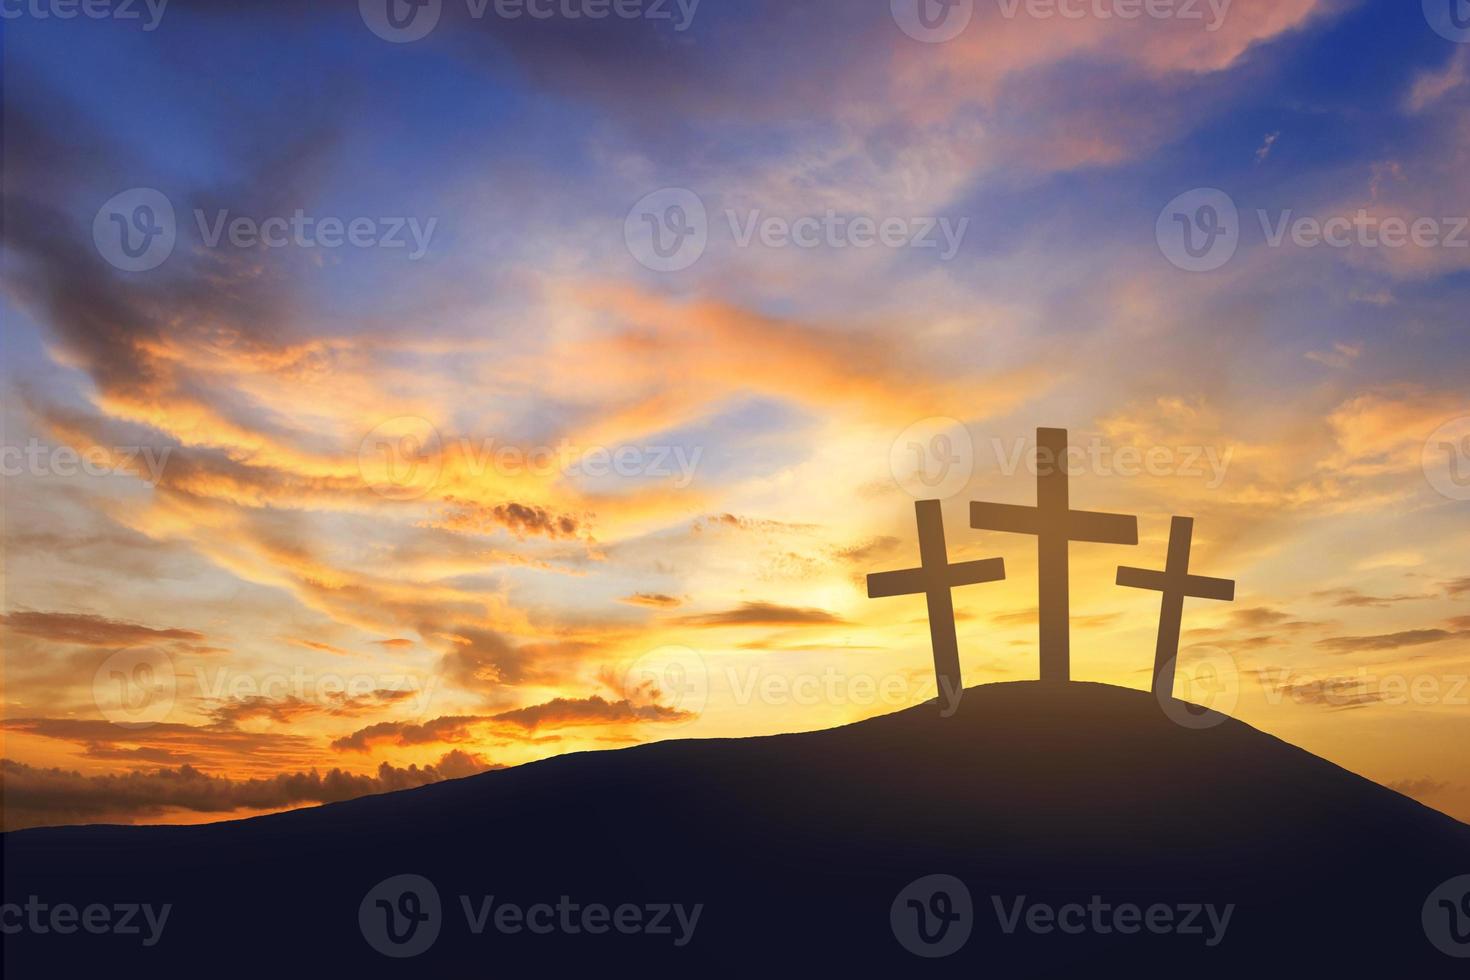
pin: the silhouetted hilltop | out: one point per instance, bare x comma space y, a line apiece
797, 846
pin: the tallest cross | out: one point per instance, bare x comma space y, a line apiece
1056, 526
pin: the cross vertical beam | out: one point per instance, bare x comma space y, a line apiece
1055, 526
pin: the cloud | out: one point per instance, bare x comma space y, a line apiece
763, 614
90, 630
1355, 599
564, 712
1387, 641
653, 600
1419, 788
446, 729
38, 797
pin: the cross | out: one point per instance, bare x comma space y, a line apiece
935, 577
1055, 525
1175, 583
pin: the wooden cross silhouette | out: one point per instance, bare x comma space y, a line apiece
1175, 583
1056, 526
935, 577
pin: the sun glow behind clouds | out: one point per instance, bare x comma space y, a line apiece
432, 515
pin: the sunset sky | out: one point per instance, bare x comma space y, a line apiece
502, 480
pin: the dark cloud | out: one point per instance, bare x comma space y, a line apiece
90, 630
286, 710
565, 712
763, 614
445, 729
654, 600
1387, 641
1421, 787
1352, 598
519, 519
1458, 587
1327, 692
38, 797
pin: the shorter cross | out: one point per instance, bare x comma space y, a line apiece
934, 579
1175, 583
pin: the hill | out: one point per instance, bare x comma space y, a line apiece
1208, 852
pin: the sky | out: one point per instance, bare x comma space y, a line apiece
394, 394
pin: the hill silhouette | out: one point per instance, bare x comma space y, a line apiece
797, 846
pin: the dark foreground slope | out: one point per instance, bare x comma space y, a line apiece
796, 847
